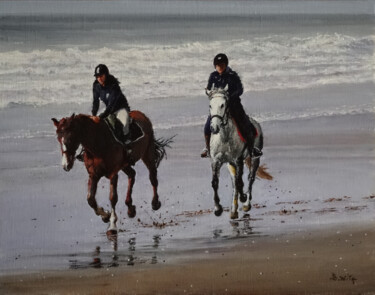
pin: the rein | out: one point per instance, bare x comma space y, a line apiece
225, 118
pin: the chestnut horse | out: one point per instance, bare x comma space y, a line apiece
105, 156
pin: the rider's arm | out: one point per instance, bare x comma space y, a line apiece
95, 103
113, 98
210, 82
236, 88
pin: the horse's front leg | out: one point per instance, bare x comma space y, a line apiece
233, 212
130, 172
92, 186
113, 197
215, 185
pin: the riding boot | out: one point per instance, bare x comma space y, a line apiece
248, 131
254, 152
80, 156
206, 151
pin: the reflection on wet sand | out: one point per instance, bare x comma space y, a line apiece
116, 257
130, 253
241, 228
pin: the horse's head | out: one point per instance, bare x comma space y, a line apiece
218, 108
67, 135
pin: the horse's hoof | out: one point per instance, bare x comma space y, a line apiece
111, 232
132, 212
219, 211
156, 206
233, 215
243, 198
106, 218
246, 208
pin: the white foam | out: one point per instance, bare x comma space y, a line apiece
150, 71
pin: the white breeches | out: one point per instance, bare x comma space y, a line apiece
124, 118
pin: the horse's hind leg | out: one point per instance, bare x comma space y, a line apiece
113, 197
150, 163
92, 186
130, 172
253, 166
215, 185
233, 211
238, 179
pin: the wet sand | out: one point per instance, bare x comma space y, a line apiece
338, 260
310, 231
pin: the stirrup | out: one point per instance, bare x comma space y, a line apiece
256, 153
126, 139
205, 153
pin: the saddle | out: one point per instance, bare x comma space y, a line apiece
116, 128
239, 132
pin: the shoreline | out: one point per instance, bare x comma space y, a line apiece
308, 262
323, 176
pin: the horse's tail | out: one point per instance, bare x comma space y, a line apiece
262, 173
160, 145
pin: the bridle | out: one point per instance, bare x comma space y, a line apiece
225, 118
66, 152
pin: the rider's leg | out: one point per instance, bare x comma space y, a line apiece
207, 136
123, 116
245, 126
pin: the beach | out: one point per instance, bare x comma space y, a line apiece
308, 81
310, 230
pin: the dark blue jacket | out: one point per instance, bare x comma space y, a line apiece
230, 78
111, 95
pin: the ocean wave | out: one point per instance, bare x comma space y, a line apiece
277, 116
199, 121
64, 75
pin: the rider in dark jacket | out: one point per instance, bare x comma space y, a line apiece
222, 77
109, 93
107, 89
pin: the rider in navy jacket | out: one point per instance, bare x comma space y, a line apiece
107, 89
228, 77
111, 95
222, 77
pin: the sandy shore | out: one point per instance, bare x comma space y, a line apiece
310, 230
339, 260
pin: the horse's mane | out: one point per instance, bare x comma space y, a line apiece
218, 91
74, 121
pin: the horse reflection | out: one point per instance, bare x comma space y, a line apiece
242, 228
129, 257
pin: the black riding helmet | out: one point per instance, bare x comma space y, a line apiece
101, 70
221, 58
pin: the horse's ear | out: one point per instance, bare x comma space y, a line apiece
73, 115
213, 87
226, 87
55, 122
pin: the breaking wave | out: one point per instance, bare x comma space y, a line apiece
64, 75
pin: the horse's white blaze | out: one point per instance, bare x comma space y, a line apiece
64, 161
63, 146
